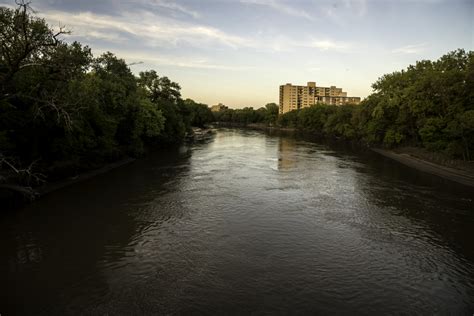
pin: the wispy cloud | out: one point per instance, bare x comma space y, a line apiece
149, 28
282, 44
182, 62
410, 49
280, 7
175, 7
156, 31
108, 36
328, 45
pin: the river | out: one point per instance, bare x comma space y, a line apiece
246, 222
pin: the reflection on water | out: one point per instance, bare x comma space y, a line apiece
246, 222
287, 154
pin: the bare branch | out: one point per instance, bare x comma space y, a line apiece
30, 65
27, 172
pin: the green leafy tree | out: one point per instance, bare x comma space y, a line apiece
200, 114
271, 113
61, 110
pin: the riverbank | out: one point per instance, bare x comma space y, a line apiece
15, 196
418, 158
248, 213
199, 134
270, 128
453, 170
256, 126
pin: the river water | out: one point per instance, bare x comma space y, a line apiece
246, 222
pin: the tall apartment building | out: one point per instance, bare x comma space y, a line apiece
297, 97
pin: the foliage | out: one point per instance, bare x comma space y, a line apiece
271, 113
248, 115
429, 104
199, 114
63, 111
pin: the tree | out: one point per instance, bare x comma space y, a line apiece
271, 113
200, 114
159, 88
61, 110
25, 40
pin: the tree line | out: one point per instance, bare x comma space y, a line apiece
265, 115
429, 104
63, 111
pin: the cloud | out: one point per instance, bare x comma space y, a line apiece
175, 7
410, 49
328, 45
145, 26
108, 36
146, 29
282, 44
280, 7
157, 60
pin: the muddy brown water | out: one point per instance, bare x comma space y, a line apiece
246, 222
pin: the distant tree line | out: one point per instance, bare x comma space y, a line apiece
430, 104
62, 110
267, 115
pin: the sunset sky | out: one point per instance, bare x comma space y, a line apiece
239, 52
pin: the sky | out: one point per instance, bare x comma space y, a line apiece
238, 52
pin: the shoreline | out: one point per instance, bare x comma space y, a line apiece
452, 174
462, 176
271, 128
21, 196
255, 126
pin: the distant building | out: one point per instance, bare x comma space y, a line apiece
297, 97
218, 107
